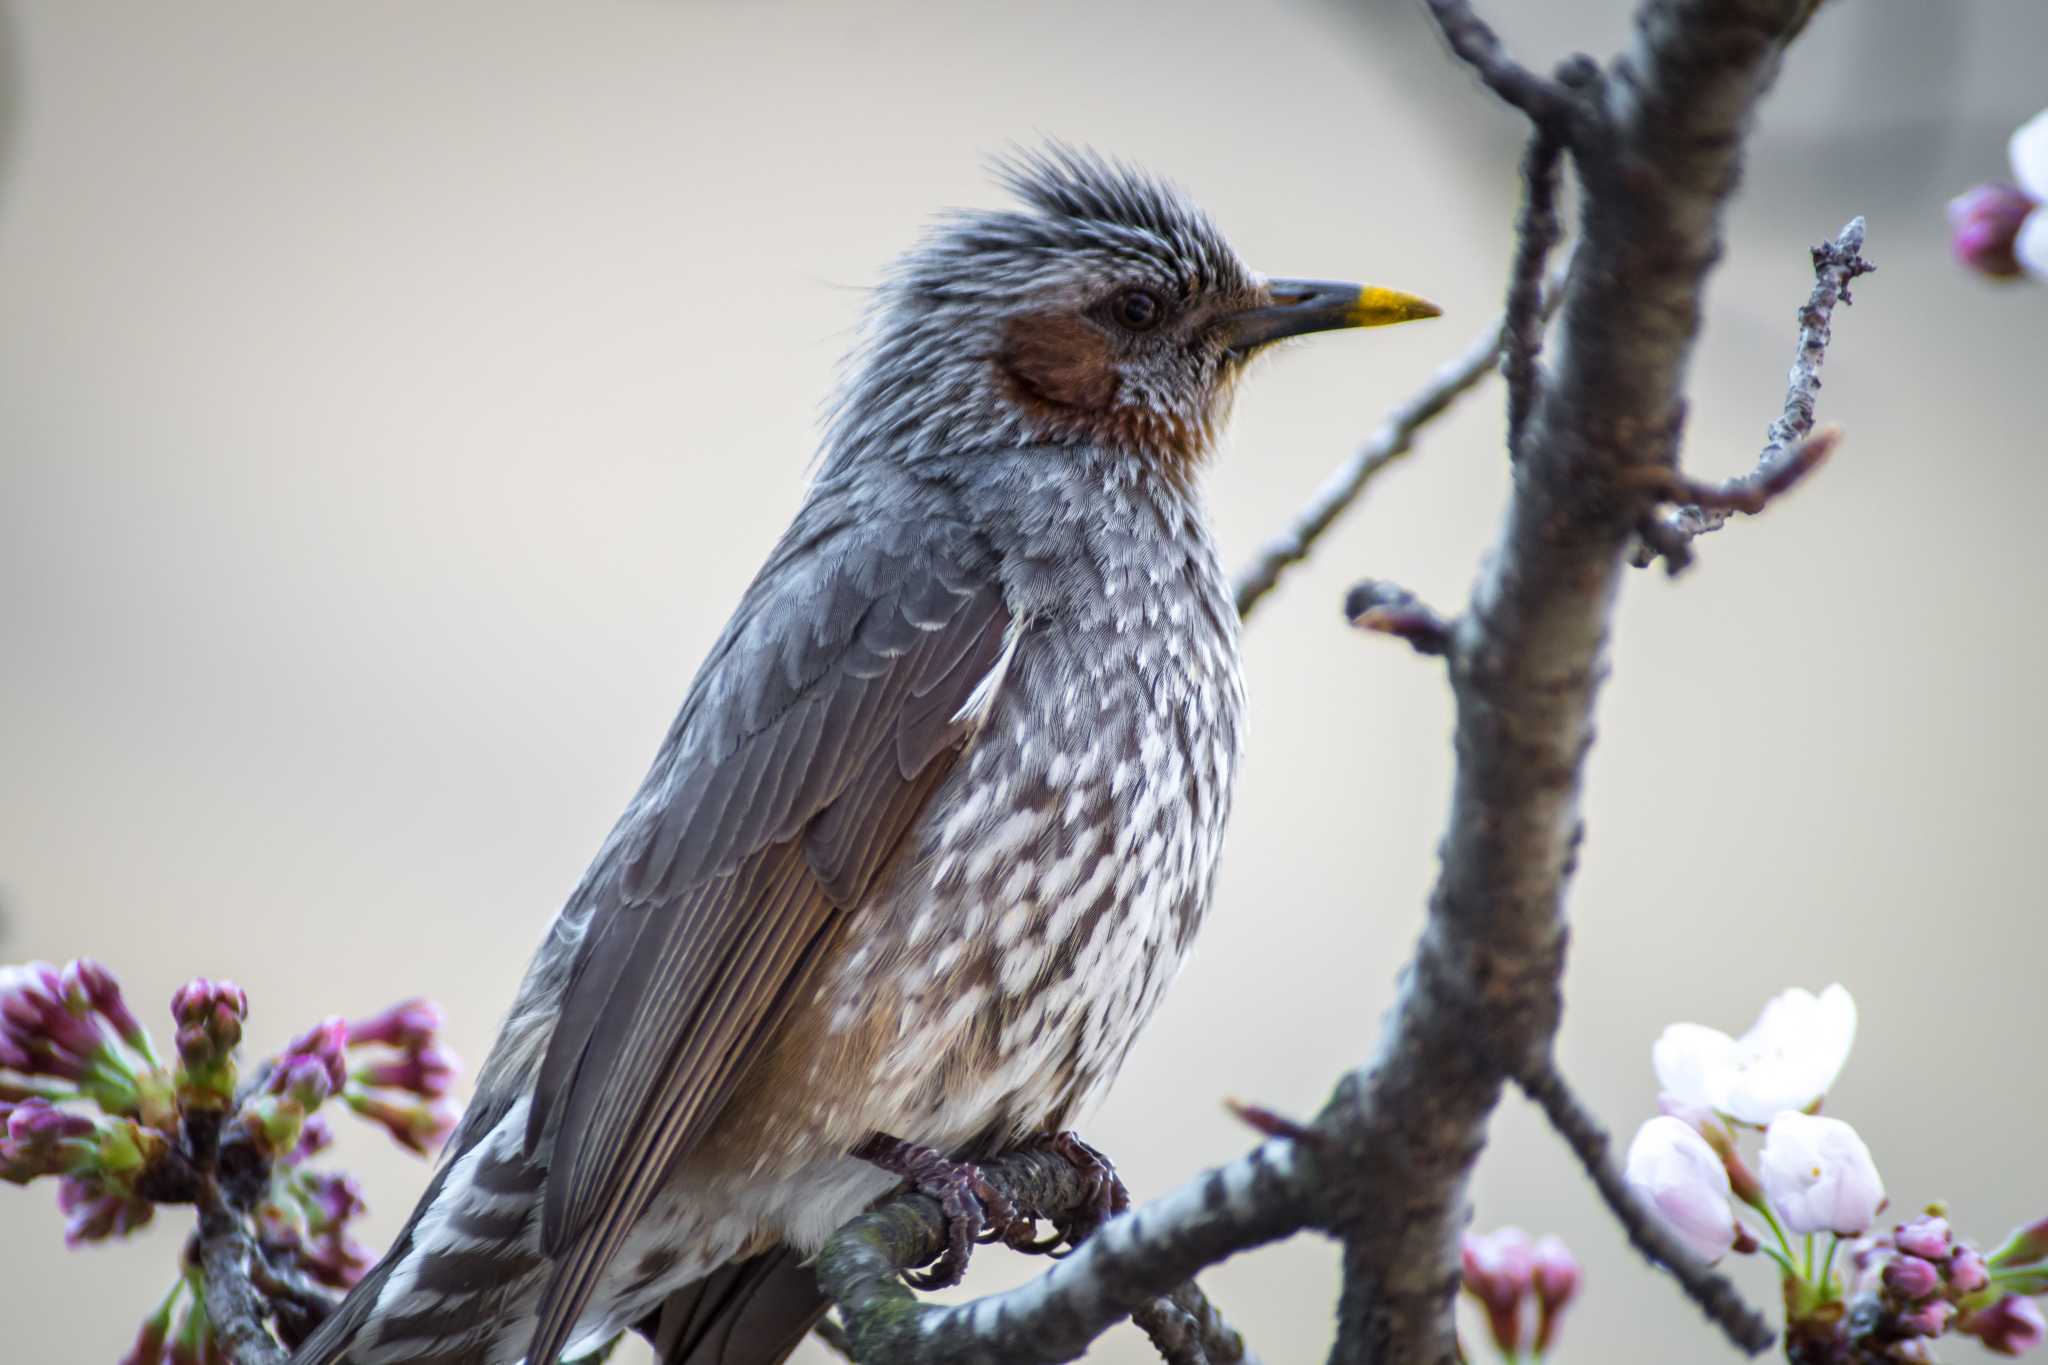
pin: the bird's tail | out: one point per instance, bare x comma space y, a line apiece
439, 1295
751, 1312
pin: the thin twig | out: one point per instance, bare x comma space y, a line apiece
1391, 609
1792, 448
232, 1303
1723, 1304
1392, 439
1479, 47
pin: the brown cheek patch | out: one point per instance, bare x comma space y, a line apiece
1060, 359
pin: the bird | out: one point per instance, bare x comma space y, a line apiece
935, 825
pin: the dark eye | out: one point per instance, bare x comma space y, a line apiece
1137, 310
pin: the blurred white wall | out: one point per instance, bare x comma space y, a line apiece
394, 398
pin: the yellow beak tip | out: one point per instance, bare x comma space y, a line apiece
1378, 307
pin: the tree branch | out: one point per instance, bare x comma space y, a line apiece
1526, 658
1792, 448
232, 1302
1130, 1262
1541, 1081
1479, 47
1393, 438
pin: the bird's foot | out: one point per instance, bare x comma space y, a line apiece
1107, 1196
974, 1209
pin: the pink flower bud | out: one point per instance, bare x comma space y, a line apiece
37, 1123
1556, 1280
316, 1137
1499, 1268
93, 1214
219, 1006
304, 1078
1930, 1319
408, 1024
326, 1042
334, 1199
1677, 1175
427, 1072
44, 1037
1984, 226
419, 1127
1911, 1277
1926, 1236
102, 991
1966, 1271
2012, 1326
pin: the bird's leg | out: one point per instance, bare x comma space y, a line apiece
1107, 1195
969, 1202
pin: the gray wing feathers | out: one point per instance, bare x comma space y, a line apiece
803, 755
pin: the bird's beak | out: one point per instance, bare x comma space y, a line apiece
1302, 306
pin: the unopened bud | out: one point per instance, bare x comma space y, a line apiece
102, 992
1910, 1277
1929, 1319
326, 1042
407, 1025
1499, 1268
427, 1072
420, 1127
1555, 1276
303, 1078
1984, 227
1966, 1271
2012, 1326
1926, 1236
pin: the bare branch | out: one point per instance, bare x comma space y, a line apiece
1131, 1261
1540, 1079
1392, 439
1479, 47
1526, 659
232, 1303
1392, 610
1792, 448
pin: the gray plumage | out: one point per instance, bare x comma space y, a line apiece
933, 829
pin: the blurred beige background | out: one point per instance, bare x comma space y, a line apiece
395, 397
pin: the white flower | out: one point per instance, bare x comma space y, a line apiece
1819, 1176
1787, 1060
1674, 1172
2029, 151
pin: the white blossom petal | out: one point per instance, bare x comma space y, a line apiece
2029, 151
1676, 1174
1689, 1060
1818, 1175
2031, 245
1790, 1057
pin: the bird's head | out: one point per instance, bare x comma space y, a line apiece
1108, 312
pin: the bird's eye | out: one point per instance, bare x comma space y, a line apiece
1137, 310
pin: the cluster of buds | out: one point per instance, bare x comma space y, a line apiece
2001, 229
1814, 1192
86, 1100
404, 1089
1504, 1271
